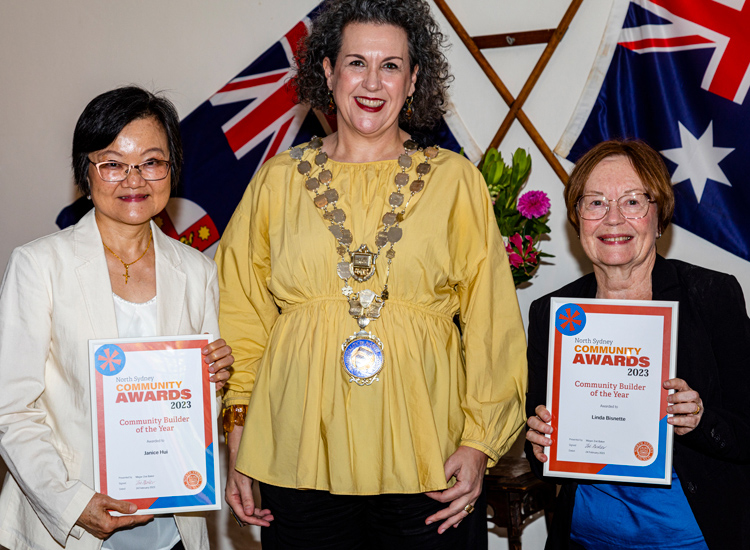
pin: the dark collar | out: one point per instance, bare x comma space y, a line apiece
665, 281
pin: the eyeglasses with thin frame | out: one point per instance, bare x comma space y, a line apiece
114, 172
632, 206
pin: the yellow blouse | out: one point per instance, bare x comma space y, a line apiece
284, 315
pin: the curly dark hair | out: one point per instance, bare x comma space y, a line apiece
426, 43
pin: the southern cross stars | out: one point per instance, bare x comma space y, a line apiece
698, 160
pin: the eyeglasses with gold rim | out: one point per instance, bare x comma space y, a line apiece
113, 171
632, 206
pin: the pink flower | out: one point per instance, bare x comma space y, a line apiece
516, 241
533, 204
518, 254
515, 260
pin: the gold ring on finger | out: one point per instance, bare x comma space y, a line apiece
697, 408
469, 508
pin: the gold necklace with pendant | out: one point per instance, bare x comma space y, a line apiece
127, 266
362, 353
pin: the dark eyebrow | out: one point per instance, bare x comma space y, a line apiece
107, 152
117, 154
154, 150
362, 57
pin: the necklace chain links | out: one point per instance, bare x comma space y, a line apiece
361, 358
126, 274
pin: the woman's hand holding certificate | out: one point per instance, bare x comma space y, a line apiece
607, 405
686, 406
154, 417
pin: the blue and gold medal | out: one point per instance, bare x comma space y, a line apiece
362, 357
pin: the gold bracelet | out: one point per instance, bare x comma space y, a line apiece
231, 416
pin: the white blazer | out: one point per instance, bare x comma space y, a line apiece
55, 296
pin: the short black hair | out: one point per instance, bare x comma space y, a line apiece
107, 114
426, 44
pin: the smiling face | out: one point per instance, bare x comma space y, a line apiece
132, 201
615, 242
371, 79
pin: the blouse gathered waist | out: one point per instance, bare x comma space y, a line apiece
317, 300
284, 314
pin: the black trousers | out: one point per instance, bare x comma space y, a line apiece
320, 520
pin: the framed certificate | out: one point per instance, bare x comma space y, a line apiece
153, 415
607, 362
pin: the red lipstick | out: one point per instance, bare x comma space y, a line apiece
371, 105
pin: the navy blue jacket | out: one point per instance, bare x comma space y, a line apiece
713, 357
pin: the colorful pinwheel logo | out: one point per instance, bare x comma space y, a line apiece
570, 319
109, 360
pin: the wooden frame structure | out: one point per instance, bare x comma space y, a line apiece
475, 45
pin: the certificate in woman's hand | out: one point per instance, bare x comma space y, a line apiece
153, 416
607, 362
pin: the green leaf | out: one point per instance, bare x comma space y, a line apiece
496, 172
535, 226
488, 163
522, 164
523, 160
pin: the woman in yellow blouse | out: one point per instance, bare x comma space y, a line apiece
370, 419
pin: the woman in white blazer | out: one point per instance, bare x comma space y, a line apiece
113, 274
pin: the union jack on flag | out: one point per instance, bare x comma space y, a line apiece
228, 137
721, 27
676, 73
272, 111
250, 119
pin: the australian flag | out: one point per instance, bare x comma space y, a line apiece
228, 137
676, 73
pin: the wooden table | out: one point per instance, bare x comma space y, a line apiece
515, 494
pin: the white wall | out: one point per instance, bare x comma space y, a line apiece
56, 56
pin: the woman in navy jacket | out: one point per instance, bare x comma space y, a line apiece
620, 200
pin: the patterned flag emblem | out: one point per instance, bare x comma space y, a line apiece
228, 137
676, 74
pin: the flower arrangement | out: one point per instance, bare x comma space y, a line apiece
522, 220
